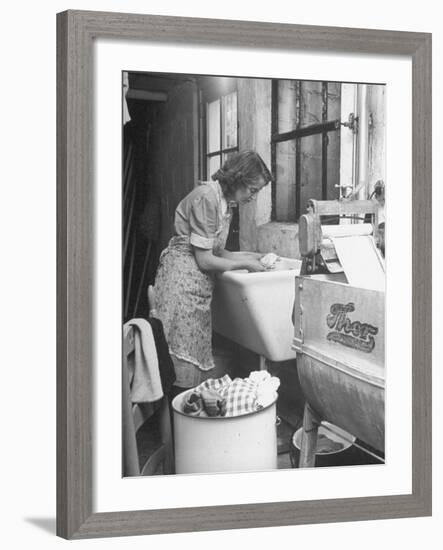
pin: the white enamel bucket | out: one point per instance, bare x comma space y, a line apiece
224, 444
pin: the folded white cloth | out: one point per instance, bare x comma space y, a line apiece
269, 260
144, 374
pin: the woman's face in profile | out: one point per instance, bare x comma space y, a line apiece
248, 193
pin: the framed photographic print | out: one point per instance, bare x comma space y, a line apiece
244, 274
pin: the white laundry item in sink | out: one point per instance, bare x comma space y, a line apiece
269, 260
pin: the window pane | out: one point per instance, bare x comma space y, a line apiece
213, 164
213, 126
227, 156
311, 111
229, 120
287, 105
310, 170
285, 191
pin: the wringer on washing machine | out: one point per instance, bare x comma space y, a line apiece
339, 324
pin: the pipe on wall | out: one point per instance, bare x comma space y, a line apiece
362, 141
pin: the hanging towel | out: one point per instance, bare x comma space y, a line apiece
165, 363
144, 374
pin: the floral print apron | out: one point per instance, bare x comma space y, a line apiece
183, 295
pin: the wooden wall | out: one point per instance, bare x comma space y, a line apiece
173, 157
160, 168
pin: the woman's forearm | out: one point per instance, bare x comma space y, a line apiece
215, 264
240, 255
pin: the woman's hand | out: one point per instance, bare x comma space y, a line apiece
253, 266
254, 255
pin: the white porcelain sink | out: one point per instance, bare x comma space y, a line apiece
254, 309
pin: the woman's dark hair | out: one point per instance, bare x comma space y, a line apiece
241, 170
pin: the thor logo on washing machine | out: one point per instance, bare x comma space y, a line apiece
352, 334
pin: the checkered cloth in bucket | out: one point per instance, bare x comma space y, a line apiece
240, 394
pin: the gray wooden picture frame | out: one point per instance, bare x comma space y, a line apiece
76, 31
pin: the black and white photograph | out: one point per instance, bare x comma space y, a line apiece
220, 321
253, 273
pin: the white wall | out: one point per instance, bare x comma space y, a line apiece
28, 277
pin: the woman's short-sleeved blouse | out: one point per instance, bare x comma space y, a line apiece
201, 214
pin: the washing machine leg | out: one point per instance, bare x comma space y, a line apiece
308, 448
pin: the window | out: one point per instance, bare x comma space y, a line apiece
305, 145
221, 131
